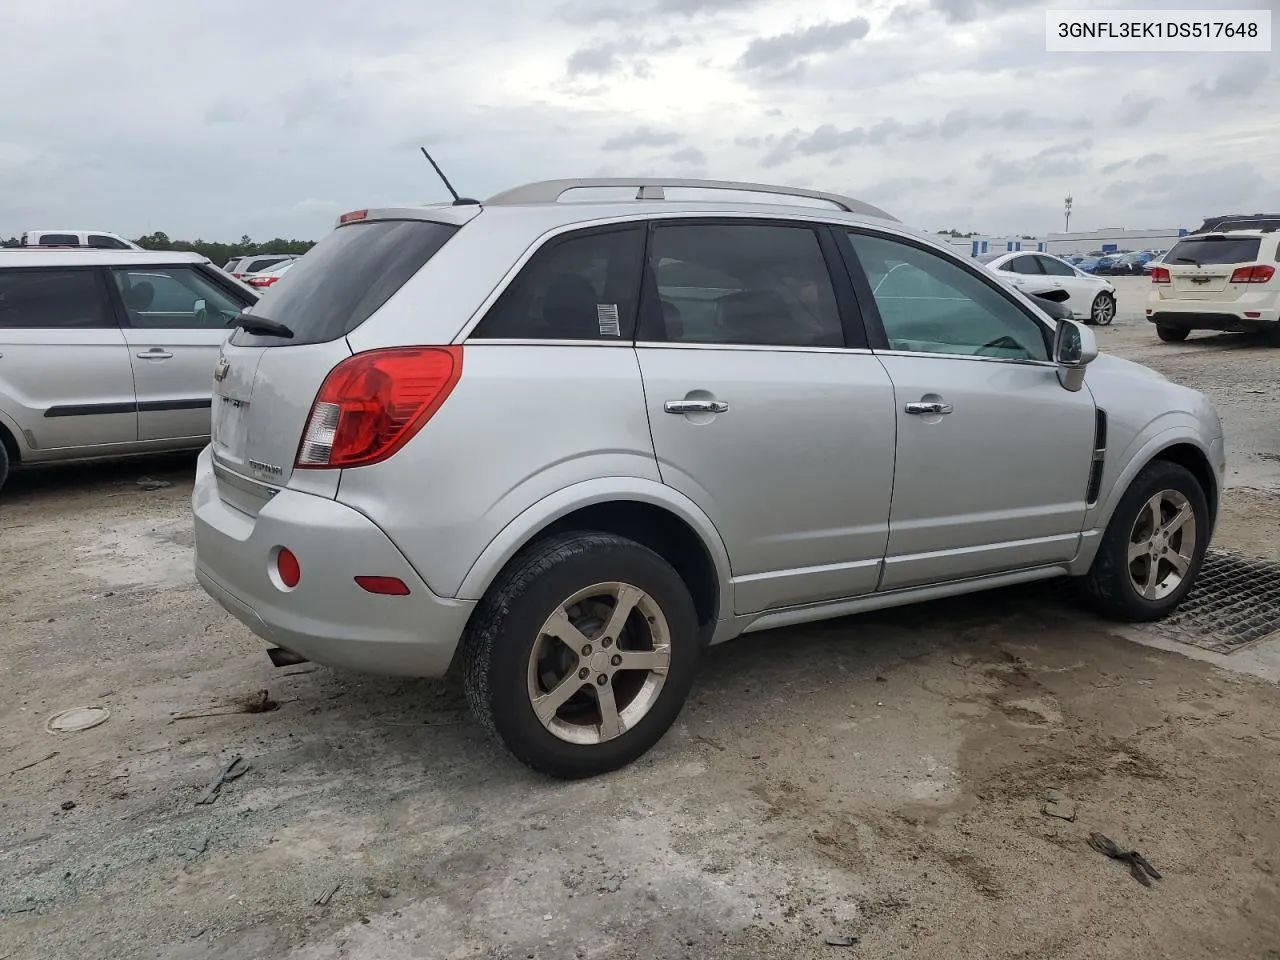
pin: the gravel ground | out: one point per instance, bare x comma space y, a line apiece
879, 778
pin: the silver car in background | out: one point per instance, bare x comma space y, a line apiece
567, 445
108, 353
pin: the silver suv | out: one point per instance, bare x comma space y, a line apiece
105, 353
567, 445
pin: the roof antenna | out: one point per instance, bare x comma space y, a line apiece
457, 200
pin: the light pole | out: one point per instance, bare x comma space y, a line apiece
1066, 208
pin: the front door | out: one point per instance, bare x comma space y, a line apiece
993, 454
766, 408
176, 319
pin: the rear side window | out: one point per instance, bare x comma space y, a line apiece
1199, 251
260, 264
1027, 265
59, 240
583, 286
345, 278
68, 299
1055, 267
742, 284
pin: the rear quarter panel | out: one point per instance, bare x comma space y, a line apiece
524, 422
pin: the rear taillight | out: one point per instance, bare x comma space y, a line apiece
1258, 273
371, 404
1159, 275
261, 281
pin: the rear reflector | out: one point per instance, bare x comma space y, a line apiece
1252, 314
371, 404
1159, 275
388, 586
353, 216
288, 568
1259, 273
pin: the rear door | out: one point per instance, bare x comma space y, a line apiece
766, 407
264, 385
1082, 289
64, 364
174, 318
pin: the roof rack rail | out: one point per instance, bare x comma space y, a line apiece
653, 188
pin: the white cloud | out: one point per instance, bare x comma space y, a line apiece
241, 117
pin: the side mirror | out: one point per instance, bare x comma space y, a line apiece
1074, 348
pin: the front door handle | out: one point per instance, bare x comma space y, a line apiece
695, 406
155, 353
929, 407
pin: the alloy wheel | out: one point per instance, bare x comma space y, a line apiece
599, 663
1162, 545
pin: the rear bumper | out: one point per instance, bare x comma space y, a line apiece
327, 617
1227, 315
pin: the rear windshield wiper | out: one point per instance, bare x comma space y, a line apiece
1188, 260
262, 326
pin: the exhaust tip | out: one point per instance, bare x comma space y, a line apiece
281, 657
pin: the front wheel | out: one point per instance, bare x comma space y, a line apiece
1103, 310
581, 655
1152, 549
1171, 334
4, 464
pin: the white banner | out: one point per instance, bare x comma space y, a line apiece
1135, 31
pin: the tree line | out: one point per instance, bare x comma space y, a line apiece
219, 253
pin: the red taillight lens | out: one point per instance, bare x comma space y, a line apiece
1159, 275
371, 404
261, 281
388, 586
1259, 273
288, 568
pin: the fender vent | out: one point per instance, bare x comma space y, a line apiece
1099, 456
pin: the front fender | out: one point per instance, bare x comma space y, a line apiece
586, 494
1167, 431
20, 438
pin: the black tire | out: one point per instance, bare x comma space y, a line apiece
1110, 314
1108, 585
1171, 334
4, 464
505, 627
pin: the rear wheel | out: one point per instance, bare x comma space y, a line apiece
1171, 334
581, 655
1152, 549
4, 464
1103, 310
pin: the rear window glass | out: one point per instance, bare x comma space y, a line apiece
1203, 250
59, 240
67, 299
345, 278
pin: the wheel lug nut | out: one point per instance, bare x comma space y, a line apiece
583, 673
607, 641
602, 679
586, 651
616, 660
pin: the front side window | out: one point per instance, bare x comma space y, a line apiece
928, 304
1055, 267
100, 242
68, 299
170, 298
1026, 265
744, 284
583, 286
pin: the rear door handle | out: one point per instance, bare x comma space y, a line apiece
155, 353
695, 406
924, 407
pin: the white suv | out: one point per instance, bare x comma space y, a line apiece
573, 443
1225, 280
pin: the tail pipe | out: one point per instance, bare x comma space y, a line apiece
284, 658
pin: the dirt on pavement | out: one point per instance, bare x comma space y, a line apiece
880, 778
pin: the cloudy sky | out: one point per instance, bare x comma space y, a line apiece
270, 117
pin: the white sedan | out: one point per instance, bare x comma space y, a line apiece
1092, 299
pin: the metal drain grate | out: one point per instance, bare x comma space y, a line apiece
1236, 601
